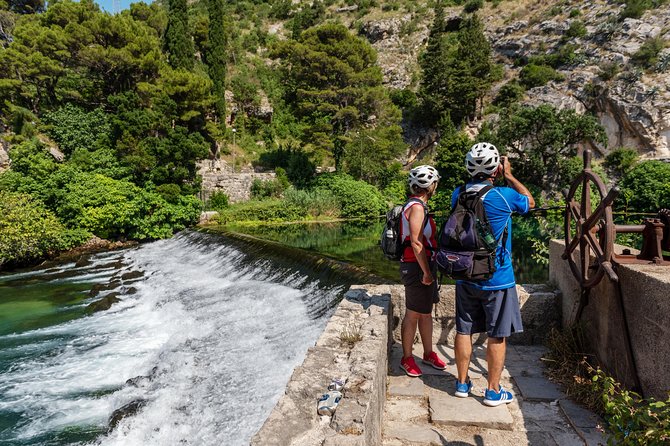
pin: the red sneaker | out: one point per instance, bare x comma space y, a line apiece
410, 367
432, 359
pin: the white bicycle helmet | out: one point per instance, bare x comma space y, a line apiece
423, 177
483, 158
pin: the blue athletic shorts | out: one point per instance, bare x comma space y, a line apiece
496, 313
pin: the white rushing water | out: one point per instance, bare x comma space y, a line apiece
214, 335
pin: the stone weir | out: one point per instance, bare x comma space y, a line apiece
357, 344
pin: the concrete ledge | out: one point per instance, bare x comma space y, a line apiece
638, 302
358, 419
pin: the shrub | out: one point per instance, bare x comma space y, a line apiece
316, 202
646, 187
358, 199
635, 8
537, 75
158, 219
647, 55
576, 29
620, 161
218, 200
267, 188
473, 5
632, 419
265, 210
115, 209
575, 13
28, 231
509, 94
609, 70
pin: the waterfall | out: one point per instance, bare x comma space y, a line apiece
205, 341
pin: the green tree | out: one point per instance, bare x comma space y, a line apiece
646, 187
540, 137
335, 88
178, 42
72, 128
620, 161
216, 55
457, 70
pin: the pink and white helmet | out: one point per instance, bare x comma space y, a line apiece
483, 158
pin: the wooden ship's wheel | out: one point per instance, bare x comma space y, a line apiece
592, 231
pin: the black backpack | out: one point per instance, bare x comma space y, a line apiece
391, 243
466, 243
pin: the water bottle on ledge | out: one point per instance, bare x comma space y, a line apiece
337, 384
328, 402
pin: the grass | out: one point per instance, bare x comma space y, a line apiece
351, 334
570, 365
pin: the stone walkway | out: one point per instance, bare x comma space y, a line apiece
424, 411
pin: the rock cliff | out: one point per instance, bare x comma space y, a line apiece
633, 105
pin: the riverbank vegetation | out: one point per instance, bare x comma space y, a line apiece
106, 115
630, 419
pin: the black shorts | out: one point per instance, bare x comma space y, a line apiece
419, 297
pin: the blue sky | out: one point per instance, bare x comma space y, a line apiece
108, 5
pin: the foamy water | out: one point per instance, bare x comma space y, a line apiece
216, 335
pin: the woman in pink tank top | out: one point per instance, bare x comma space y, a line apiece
418, 270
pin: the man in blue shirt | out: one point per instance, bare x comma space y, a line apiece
490, 306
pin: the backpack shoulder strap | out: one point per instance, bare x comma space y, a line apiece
425, 210
484, 190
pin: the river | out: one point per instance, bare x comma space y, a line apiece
207, 334
204, 339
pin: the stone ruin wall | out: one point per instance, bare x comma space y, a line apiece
217, 175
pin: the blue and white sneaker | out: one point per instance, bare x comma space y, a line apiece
493, 398
463, 389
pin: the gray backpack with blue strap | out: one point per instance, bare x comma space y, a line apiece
466, 243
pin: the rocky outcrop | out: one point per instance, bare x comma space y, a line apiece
128, 410
261, 109
4, 157
217, 175
633, 107
398, 41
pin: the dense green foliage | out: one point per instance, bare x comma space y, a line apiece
645, 187
620, 161
178, 43
357, 199
335, 88
457, 69
537, 75
28, 231
216, 55
632, 420
541, 140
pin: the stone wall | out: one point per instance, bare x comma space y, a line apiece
358, 418
217, 175
638, 304
540, 311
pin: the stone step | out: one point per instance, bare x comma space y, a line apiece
450, 410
